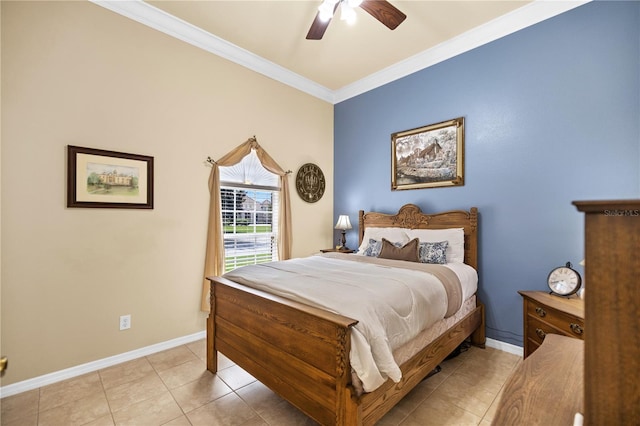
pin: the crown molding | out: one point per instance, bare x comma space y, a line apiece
530, 14
164, 22
523, 17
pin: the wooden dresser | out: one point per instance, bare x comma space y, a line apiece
612, 300
545, 314
546, 389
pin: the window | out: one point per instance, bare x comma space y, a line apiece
250, 199
250, 224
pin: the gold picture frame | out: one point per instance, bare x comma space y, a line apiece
428, 157
98, 178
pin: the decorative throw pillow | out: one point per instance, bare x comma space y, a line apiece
434, 252
391, 234
455, 237
373, 249
408, 252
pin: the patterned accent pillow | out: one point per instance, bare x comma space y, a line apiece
433, 252
373, 249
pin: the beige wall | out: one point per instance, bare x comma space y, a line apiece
75, 73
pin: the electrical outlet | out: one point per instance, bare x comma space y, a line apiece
125, 322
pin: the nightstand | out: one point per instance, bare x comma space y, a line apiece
545, 313
335, 250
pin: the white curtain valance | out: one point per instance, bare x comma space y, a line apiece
249, 171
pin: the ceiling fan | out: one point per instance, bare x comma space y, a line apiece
382, 10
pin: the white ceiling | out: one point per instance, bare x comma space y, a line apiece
269, 36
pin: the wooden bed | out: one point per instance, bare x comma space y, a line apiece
302, 353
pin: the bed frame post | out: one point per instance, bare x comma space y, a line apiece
348, 410
352, 413
212, 353
360, 227
478, 337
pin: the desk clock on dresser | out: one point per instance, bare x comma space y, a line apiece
546, 313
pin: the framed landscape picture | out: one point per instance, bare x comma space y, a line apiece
428, 157
108, 179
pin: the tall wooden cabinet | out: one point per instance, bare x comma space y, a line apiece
612, 312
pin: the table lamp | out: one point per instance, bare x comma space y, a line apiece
343, 224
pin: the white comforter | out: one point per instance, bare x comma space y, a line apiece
391, 304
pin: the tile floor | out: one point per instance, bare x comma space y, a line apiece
174, 388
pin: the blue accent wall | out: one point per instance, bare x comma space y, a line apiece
552, 115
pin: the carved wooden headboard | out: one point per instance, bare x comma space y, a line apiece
410, 216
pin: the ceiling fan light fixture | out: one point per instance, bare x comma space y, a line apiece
325, 11
383, 11
347, 13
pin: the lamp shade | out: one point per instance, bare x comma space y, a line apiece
343, 222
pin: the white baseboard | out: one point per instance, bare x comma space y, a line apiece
89, 367
506, 347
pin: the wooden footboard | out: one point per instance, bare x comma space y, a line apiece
302, 353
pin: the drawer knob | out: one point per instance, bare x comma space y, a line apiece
541, 334
540, 312
576, 328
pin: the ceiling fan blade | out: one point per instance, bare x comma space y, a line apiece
319, 26
384, 12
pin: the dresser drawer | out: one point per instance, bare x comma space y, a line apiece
555, 321
549, 314
537, 330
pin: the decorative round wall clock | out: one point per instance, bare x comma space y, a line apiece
310, 183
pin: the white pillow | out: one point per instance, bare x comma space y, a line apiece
395, 235
455, 236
